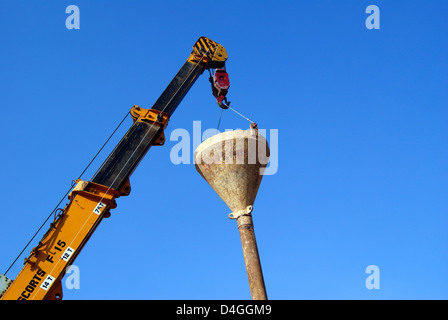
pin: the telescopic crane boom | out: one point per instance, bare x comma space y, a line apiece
90, 201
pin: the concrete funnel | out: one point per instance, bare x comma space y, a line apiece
233, 163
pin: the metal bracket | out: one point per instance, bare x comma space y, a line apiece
4, 284
153, 116
244, 212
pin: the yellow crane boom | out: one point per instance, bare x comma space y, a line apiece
91, 201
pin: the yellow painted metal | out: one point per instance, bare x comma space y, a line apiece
155, 117
41, 276
207, 50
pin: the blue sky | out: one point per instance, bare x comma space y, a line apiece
362, 144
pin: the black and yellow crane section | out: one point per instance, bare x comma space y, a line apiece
210, 52
90, 201
156, 118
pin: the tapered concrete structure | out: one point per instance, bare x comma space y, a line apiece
233, 164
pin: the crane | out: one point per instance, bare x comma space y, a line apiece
90, 201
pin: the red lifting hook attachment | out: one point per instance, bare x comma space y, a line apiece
220, 85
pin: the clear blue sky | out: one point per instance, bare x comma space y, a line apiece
362, 128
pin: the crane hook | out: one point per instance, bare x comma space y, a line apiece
220, 85
222, 102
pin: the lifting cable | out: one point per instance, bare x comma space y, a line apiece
241, 115
219, 122
67, 193
228, 107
